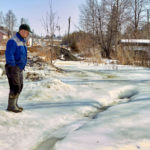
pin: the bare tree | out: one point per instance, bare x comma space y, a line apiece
105, 20
148, 22
69, 21
102, 27
24, 21
88, 16
1, 19
137, 6
89, 21
10, 22
138, 13
50, 25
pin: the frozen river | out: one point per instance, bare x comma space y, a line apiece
87, 107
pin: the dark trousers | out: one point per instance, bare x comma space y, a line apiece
15, 79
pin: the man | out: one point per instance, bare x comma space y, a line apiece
16, 60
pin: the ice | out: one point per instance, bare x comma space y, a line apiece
123, 92
87, 107
121, 126
1, 72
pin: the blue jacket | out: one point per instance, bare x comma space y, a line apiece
16, 51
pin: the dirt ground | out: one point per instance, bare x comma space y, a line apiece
2, 58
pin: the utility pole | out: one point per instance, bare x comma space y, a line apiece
32, 37
58, 28
69, 20
148, 23
22, 20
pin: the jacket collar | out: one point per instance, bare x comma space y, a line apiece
20, 37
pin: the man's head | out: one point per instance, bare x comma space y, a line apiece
24, 30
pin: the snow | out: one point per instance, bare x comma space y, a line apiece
87, 107
143, 41
1, 72
119, 127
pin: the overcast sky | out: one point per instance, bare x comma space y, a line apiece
34, 10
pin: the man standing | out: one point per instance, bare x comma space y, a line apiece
16, 60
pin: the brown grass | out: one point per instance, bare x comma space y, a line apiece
44, 53
131, 57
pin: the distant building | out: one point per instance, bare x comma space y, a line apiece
139, 46
3, 35
135, 42
29, 42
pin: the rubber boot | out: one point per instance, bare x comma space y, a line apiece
12, 104
17, 103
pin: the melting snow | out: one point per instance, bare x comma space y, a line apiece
87, 107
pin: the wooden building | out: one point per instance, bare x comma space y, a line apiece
140, 47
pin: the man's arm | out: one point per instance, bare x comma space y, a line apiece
10, 51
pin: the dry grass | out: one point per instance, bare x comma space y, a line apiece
125, 57
41, 52
131, 57
87, 51
44, 53
35, 49
2, 52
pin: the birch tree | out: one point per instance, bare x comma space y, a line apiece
10, 22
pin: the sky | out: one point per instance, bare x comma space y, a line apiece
35, 10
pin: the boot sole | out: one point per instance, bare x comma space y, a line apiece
15, 111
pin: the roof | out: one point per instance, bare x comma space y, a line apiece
138, 41
3, 32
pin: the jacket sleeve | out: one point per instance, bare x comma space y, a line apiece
10, 52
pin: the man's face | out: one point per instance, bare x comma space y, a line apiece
24, 33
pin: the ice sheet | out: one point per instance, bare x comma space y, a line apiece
88, 106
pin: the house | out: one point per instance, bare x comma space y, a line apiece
3, 35
139, 46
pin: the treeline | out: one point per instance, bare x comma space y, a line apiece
103, 23
9, 22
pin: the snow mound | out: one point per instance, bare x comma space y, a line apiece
1, 72
118, 95
59, 85
52, 91
127, 93
123, 92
